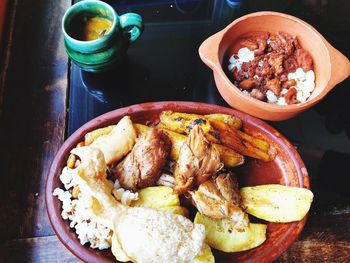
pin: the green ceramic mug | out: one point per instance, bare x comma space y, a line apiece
110, 47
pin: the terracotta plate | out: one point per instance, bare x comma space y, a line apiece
286, 169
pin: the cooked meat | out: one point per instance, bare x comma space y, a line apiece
274, 85
262, 42
250, 43
143, 165
304, 59
198, 160
276, 61
290, 64
291, 96
283, 43
289, 83
247, 84
219, 198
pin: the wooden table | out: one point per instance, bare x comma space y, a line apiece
33, 92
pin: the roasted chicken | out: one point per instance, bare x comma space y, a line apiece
198, 160
219, 198
142, 166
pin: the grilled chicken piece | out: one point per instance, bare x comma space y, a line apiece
198, 160
220, 198
142, 166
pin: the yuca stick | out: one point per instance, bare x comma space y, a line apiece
232, 137
256, 142
219, 132
228, 119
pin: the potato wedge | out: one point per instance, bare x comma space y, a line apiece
157, 197
277, 203
205, 256
221, 235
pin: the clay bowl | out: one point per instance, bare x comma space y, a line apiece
286, 169
330, 66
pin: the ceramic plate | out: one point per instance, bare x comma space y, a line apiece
287, 169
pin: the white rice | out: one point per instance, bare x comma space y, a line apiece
77, 211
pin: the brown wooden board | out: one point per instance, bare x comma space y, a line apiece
32, 114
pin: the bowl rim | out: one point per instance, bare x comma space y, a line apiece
265, 105
88, 255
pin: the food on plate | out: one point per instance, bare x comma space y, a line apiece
273, 68
218, 132
136, 226
229, 119
228, 156
142, 166
161, 198
277, 203
93, 135
206, 256
197, 162
177, 210
222, 235
116, 144
219, 198
132, 188
157, 197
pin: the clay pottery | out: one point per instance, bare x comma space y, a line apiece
287, 169
330, 66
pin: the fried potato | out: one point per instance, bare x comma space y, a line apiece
221, 235
205, 256
157, 197
277, 203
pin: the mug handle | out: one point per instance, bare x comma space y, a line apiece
135, 22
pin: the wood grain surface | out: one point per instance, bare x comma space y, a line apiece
33, 90
32, 114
